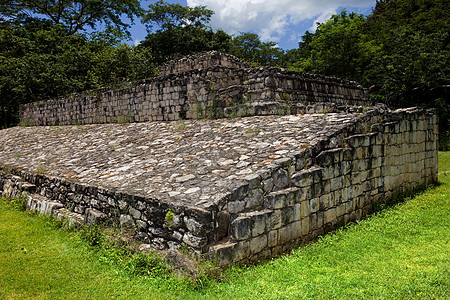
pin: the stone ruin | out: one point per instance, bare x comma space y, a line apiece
215, 86
298, 156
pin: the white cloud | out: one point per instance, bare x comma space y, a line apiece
321, 19
136, 42
272, 19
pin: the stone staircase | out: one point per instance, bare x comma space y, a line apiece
14, 186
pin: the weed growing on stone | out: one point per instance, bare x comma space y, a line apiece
253, 130
181, 126
26, 123
169, 218
40, 170
198, 110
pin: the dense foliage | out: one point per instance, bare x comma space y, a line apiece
75, 15
38, 61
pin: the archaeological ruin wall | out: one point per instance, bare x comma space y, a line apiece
210, 84
337, 178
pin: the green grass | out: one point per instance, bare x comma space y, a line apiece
400, 253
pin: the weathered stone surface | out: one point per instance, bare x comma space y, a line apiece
143, 157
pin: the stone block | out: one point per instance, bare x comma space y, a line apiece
222, 224
194, 241
236, 206
241, 251
94, 216
287, 215
241, 228
305, 225
297, 211
259, 222
254, 198
194, 226
272, 238
275, 219
223, 253
257, 244
296, 229
275, 200
284, 235
329, 215
313, 205
302, 179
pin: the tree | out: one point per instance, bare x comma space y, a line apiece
38, 61
168, 16
339, 47
250, 48
75, 15
180, 31
413, 66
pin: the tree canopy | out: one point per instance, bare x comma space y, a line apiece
176, 30
75, 15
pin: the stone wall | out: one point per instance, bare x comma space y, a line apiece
327, 187
202, 60
222, 89
293, 200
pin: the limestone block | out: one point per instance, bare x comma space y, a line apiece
241, 228
194, 226
194, 241
94, 216
255, 198
236, 206
257, 244
287, 215
272, 238
275, 219
259, 221
313, 205
304, 208
305, 225
223, 253
275, 200
326, 201
285, 234
241, 251
302, 179
297, 211
329, 215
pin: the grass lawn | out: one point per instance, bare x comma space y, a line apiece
401, 253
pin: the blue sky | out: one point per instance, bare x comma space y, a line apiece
281, 21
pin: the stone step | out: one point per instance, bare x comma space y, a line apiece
281, 198
56, 210
248, 225
66, 216
42, 205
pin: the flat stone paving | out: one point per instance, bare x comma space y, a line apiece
188, 162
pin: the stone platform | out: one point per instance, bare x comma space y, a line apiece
238, 189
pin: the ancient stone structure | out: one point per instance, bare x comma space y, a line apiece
210, 84
236, 189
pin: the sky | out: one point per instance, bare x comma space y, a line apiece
280, 21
